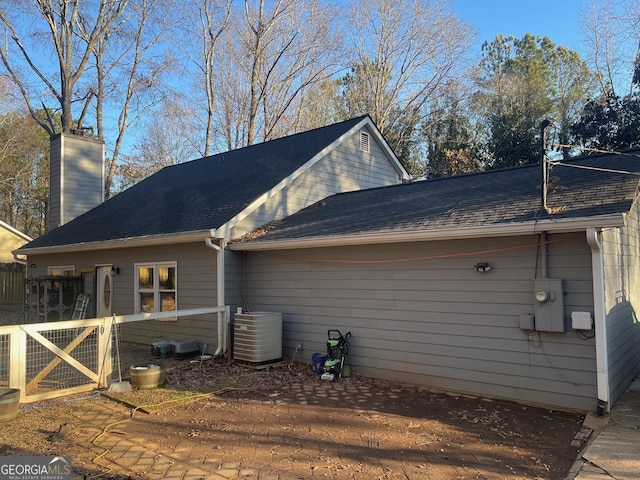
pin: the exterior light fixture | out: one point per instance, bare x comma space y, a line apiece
482, 267
115, 271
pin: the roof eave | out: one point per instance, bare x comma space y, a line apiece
498, 230
16, 232
131, 242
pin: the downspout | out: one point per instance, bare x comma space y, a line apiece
222, 330
599, 320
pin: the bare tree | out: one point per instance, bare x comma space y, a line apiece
200, 28
231, 100
129, 71
405, 51
274, 51
58, 24
169, 138
612, 37
214, 20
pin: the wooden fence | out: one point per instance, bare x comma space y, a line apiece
49, 360
11, 283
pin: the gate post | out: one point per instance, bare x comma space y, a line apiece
18, 360
104, 352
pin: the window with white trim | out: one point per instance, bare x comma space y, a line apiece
65, 271
156, 287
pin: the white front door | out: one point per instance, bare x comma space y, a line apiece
103, 292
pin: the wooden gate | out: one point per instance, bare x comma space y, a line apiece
48, 360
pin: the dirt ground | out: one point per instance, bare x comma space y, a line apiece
283, 422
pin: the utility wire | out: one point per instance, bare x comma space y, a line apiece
596, 150
597, 169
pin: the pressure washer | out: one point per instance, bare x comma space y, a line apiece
337, 349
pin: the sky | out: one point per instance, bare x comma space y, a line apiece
556, 19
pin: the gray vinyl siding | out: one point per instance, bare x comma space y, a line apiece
54, 218
76, 177
345, 169
196, 287
420, 313
234, 281
621, 258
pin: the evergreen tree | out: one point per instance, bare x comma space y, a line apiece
522, 82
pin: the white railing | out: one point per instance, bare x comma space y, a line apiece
48, 360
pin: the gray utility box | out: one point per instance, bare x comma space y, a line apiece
548, 301
257, 337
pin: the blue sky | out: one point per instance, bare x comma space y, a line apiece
556, 19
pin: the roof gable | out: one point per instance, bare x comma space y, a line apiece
484, 200
14, 232
200, 195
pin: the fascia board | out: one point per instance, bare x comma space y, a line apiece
18, 233
132, 242
224, 231
503, 230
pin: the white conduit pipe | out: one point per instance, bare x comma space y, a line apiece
599, 321
222, 328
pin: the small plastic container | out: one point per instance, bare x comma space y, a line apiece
318, 360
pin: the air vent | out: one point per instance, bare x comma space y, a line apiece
364, 141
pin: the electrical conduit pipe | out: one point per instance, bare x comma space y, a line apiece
222, 331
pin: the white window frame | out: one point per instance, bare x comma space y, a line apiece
156, 290
67, 271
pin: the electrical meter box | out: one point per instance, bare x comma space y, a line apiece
548, 300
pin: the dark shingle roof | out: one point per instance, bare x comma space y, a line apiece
197, 195
498, 197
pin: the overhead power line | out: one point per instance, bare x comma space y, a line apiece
597, 169
596, 150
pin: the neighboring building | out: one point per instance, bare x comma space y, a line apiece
464, 283
11, 239
11, 268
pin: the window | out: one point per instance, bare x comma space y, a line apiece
67, 271
364, 141
61, 292
156, 288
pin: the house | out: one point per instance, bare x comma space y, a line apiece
477, 284
467, 283
11, 268
159, 246
10, 239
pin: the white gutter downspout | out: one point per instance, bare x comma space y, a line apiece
599, 320
222, 328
